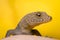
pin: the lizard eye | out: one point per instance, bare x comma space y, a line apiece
38, 14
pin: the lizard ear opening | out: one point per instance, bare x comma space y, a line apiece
28, 20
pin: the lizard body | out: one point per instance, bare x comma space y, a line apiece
28, 22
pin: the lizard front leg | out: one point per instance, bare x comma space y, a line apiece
10, 32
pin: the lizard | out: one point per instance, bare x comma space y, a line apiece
29, 21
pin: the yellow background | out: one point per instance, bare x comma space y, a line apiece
11, 11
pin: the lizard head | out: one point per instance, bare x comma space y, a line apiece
36, 18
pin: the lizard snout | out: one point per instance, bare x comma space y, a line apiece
50, 18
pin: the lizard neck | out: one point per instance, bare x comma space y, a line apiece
23, 27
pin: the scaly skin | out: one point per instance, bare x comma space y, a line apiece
28, 22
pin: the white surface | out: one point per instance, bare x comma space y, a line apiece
27, 37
